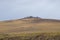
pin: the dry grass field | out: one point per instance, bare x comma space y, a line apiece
47, 29
30, 25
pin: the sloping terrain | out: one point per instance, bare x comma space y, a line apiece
30, 24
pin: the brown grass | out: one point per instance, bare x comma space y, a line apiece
29, 25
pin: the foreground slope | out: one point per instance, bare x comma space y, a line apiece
30, 24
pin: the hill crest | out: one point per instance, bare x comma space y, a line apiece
33, 19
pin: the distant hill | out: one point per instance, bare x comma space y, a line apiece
30, 24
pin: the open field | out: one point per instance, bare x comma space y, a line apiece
39, 27
30, 29
31, 36
30, 25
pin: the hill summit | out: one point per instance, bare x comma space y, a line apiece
32, 19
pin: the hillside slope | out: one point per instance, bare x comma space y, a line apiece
30, 24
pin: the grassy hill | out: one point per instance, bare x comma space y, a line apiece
30, 24
30, 28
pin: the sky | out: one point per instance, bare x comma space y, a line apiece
15, 9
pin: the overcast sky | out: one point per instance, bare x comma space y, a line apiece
14, 9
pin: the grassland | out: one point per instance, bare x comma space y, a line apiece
30, 29
31, 36
24, 26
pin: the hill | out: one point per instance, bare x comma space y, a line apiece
30, 24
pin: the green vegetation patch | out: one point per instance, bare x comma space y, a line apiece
30, 36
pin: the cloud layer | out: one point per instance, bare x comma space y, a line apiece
10, 9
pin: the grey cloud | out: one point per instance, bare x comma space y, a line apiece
19, 8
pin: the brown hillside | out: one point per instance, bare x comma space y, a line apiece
30, 24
